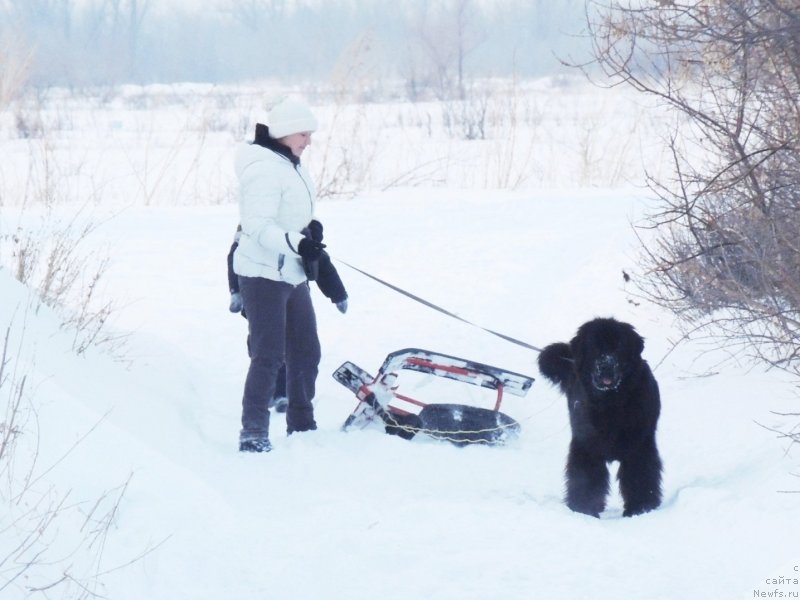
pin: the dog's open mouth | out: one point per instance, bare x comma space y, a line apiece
606, 374
605, 383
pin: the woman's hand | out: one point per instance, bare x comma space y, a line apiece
310, 249
315, 229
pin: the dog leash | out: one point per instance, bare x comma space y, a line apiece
424, 302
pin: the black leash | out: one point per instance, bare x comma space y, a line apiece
439, 308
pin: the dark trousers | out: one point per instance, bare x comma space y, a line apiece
283, 330
280, 382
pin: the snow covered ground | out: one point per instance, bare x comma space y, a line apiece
361, 515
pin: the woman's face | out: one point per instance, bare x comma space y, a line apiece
297, 142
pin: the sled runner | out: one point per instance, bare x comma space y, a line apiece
380, 401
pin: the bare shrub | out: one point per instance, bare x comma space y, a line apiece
49, 251
155, 165
51, 543
29, 124
517, 120
725, 255
467, 118
350, 145
49, 257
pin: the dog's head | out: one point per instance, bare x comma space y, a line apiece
605, 352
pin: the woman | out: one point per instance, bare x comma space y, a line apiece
279, 239
328, 282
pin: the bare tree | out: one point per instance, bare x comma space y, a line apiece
137, 9
725, 255
15, 66
123, 24
444, 35
255, 14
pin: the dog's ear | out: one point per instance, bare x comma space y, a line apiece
575, 347
555, 363
637, 341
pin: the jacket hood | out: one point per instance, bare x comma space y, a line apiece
248, 154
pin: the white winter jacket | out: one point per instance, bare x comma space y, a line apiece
276, 201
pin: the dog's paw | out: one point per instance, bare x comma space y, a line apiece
555, 362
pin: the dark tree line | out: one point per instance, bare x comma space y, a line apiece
91, 42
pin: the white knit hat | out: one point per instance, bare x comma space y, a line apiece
288, 116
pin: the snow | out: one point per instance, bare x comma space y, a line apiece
361, 515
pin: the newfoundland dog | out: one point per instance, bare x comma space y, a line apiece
614, 404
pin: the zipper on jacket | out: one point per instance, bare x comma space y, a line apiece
308, 190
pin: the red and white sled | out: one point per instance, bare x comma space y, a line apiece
382, 403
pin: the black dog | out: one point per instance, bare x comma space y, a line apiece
614, 404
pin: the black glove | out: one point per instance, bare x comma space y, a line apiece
315, 230
310, 249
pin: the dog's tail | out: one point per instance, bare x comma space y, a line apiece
556, 364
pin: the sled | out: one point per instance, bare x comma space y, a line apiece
382, 403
